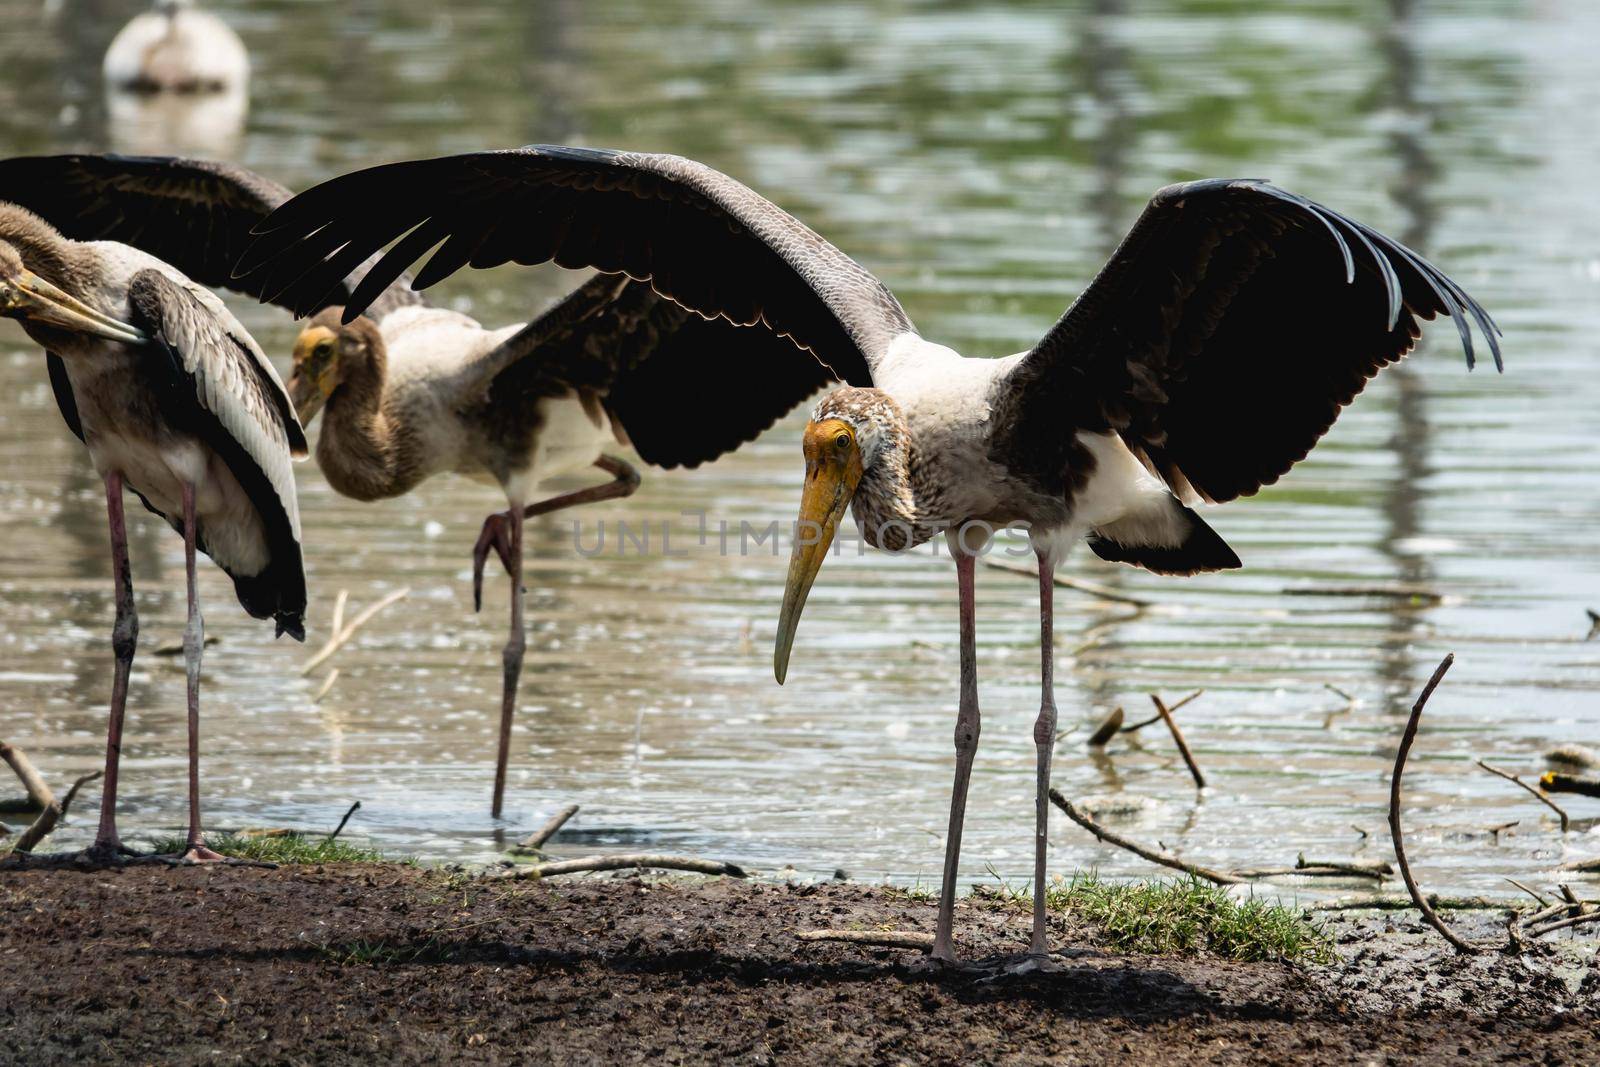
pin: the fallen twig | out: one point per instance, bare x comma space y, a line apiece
38, 794
1183, 746
1395, 832
1336, 691
883, 938
1544, 901
1078, 584
1406, 904
625, 862
1163, 858
327, 684
1312, 870
1546, 801
1392, 592
1106, 730
337, 641
535, 841
1577, 920
1570, 783
1575, 906
1152, 720
337, 830
1582, 866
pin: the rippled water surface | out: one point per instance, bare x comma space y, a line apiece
983, 160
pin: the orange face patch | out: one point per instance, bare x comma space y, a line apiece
828, 441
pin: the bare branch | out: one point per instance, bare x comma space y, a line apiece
337, 641
883, 938
1142, 851
1546, 801
1544, 902
535, 841
1152, 720
1577, 920
626, 861
1395, 832
1106, 730
72, 793
1183, 746
327, 684
337, 830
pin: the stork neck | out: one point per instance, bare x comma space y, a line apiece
44, 251
364, 450
887, 507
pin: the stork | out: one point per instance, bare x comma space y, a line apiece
1207, 357
175, 402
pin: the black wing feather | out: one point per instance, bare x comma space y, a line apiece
194, 214
1223, 338
698, 237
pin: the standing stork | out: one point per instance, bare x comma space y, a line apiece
176, 402
1206, 358
408, 391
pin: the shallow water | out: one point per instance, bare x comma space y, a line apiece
982, 160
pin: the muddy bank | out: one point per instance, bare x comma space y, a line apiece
343, 963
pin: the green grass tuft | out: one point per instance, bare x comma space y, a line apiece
1187, 915
281, 848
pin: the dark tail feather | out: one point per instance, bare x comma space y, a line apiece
1200, 549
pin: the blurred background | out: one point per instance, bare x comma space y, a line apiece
983, 160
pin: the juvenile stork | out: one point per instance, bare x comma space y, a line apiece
175, 402
1207, 357
176, 48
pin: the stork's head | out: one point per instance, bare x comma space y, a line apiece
329, 354
41, 305
846, 437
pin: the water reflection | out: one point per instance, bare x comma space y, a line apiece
983, 159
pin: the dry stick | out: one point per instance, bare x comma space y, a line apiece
1340, 870
1546, 913
624, 862
338, 640
339, 603
1336, 691
1410, 735
1106, 730
1546, 801
327, 684
1092, 588
38, 793
1574, 905
535, 841
340, 828
1582, 866
1152, 720
1544, 902
1163, 858
1580, 920
884, 938
1183, 746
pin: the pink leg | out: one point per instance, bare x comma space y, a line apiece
625, 480
503, 533
193, 646
1044, 736
967, 729
124, 639
512, 659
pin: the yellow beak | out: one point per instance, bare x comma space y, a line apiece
308, 392
831, 480
28, 296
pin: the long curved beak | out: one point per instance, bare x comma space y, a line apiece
829, 486
28, 296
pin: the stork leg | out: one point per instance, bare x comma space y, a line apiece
503, 533
495, 533
511, 658
195, 850
967, 728
124, 639
1044, 736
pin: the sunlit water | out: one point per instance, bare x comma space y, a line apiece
983, 161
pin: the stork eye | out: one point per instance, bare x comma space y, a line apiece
322, 351
842, 442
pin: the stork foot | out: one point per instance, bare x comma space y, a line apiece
496, 534
991, 968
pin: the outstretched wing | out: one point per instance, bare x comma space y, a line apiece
194, 214
216, 390
699, 238
1223, 338
683, 388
